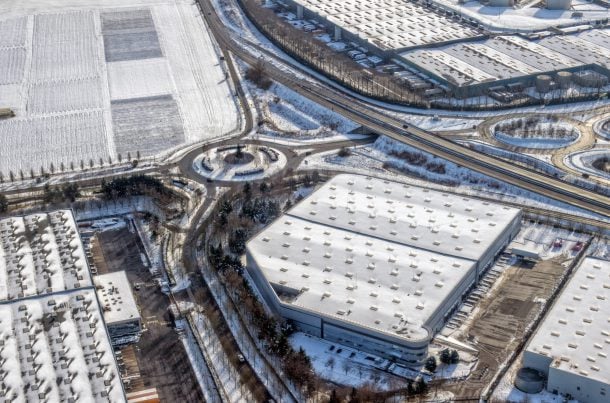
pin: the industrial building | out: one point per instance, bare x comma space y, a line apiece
377, 265
388, 25
120, 308
455, 53
572, 344
474, 68
53, 340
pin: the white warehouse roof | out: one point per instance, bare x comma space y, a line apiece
390, 24
441, 222
53, 341
55, 348
372, 282
39, 254
376, 253
576, 330
116, 298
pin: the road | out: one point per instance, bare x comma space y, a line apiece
369, 116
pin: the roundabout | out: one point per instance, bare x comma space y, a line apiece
535, 132
240, 162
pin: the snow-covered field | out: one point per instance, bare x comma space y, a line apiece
64, 64
139, 78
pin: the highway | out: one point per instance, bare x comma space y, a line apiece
368, 116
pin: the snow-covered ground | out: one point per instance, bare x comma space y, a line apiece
534, 142
80, 87
548, 241
212, 164
345, 366
537, 161
507, 392
291, 118
198, 362
583, 161
542, 134
600, 129
369, 160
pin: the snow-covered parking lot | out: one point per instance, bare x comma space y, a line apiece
81, 76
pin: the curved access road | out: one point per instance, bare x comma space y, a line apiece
369, 116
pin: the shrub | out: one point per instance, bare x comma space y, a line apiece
430, 364
344, 152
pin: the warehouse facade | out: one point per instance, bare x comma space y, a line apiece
377, 265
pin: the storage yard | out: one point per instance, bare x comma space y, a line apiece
158, 358
64, 74
393, 268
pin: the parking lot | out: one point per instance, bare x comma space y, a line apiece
160, 359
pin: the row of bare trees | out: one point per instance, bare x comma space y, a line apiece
338, 66
64, 168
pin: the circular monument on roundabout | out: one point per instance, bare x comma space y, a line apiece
239, 162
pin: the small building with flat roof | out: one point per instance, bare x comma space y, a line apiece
120, 308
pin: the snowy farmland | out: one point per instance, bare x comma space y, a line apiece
97, 80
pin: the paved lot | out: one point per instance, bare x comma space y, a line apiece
160, 355
500, 323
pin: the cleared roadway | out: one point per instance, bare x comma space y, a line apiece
367, 115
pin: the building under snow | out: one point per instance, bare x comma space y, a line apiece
377, 265
121, 312
388, 25
53, 340
572, 344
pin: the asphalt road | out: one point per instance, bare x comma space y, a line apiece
364, 114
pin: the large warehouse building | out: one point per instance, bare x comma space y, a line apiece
388, 25
377, 265
53, 341
471, 68
571, 346
455, 52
